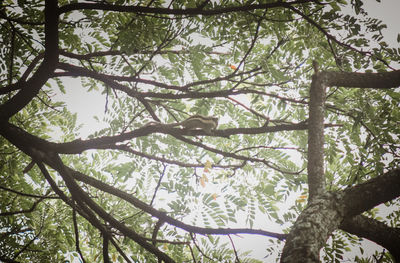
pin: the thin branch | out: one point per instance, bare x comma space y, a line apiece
139, 51
120, 251
267, 163
237, 260
28, 195
24, 211
331, 37
25, 247
199, 249
127, 148
76, 231
158, 185
72, 70
250, 109
253, 42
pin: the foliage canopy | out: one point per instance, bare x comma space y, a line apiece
305, 148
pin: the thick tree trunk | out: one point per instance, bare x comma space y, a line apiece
315, 153
326, 211
311, 230
321, 217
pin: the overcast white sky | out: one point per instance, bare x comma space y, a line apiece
388, 11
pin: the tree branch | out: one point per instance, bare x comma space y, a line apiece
78, 194
168, 11
312, 228
161, 215
30, 210
378, 232
367, 195
383, 80
45, 70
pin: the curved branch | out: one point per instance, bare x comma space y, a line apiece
163, 216
367, 195
76, 71
331, 37
30, 210
378, 232
83, 199
45, 70
22, 139
88, 56
233, 155
26, 194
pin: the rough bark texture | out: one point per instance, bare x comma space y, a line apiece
326, 211
315, 167
321, 217
312, 229
384, 80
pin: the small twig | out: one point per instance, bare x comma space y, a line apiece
76, 231
237, 260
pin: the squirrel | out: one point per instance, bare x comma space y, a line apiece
195, 122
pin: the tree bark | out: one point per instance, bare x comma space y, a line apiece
311, 230
326, 211
383, 80
315, 154
320, 218
378, 232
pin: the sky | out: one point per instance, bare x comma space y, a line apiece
388, 12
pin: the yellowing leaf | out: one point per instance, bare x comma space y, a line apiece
207, 166
214, 196
202, 183
205, 178
302, 198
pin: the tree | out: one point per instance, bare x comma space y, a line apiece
308, 133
